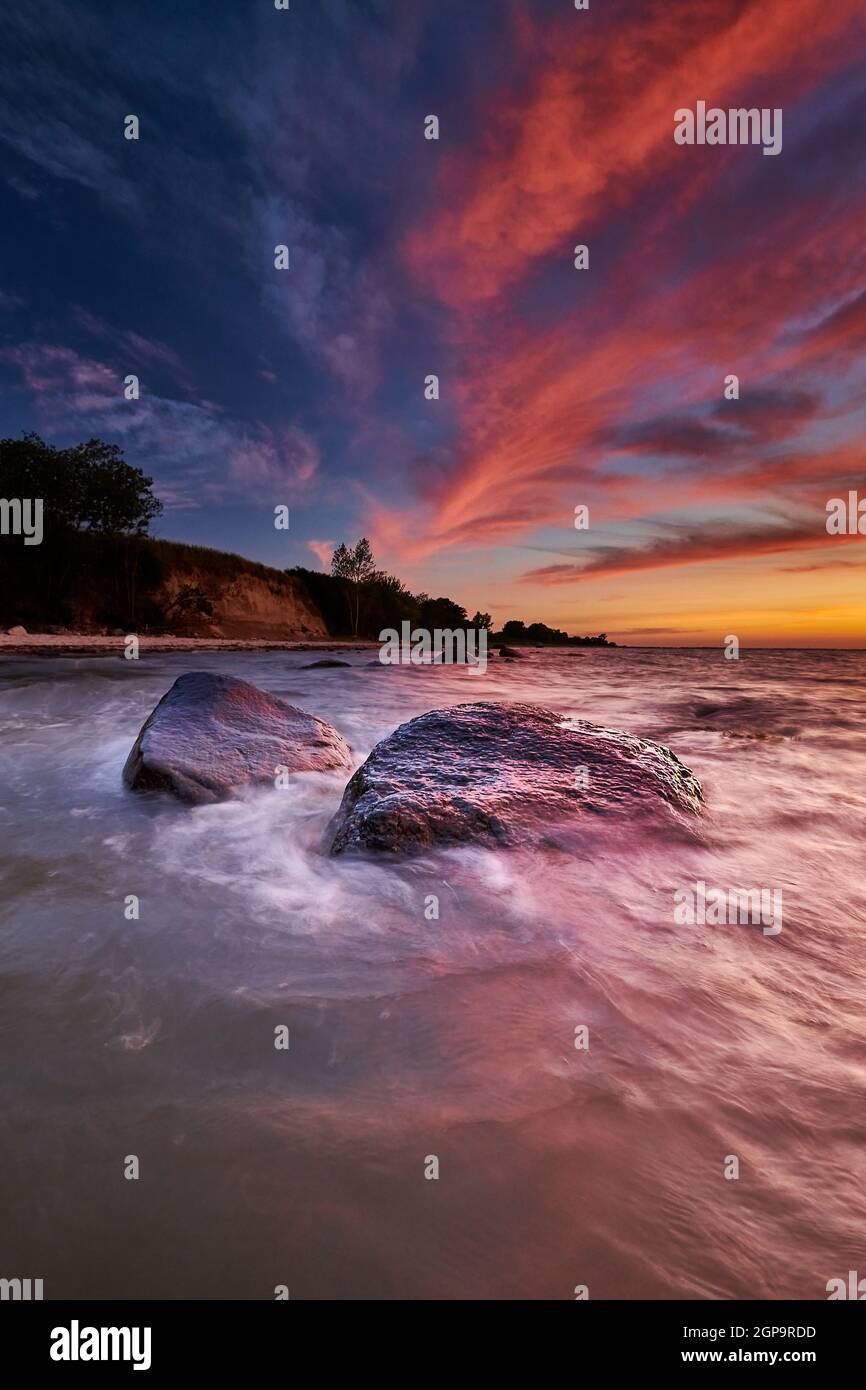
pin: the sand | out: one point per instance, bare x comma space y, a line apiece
36, 643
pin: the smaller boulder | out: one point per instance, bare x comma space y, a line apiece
328, 661
211, 735
16, 631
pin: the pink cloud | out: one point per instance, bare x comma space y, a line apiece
323, 550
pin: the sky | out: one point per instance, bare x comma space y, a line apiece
559, 387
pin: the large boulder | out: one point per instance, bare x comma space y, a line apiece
210, 735
502, 774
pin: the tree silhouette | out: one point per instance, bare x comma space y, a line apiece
354, 565
88, 487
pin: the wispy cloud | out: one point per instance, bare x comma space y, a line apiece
133, 349
605, 387
323, 551
194, 450
713, 543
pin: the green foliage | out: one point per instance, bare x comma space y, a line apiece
356, 567
96, 510
443, 613
88, 487
354, 563
540, 635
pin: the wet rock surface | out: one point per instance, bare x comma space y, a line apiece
211, 735
503, 774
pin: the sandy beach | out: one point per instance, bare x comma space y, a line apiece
74, 644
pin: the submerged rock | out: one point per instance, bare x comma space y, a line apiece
210, 735
328, 661
512, 654
501, 774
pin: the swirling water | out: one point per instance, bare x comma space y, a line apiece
558, 1166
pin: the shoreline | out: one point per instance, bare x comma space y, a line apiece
51, 644
58, 644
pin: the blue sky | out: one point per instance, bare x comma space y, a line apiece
305, 387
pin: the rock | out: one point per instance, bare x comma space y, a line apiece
16, 631
210, 735
328, 661
512, 654
500, 775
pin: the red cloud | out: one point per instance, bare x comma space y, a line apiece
700, 547
629, 359
598, 122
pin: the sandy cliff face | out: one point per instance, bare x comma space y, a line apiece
246, 606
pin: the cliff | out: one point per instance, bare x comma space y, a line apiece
249, 601
90, 583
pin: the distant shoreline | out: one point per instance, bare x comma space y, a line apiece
58, 644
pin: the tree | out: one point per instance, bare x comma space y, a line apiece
441, 613
354, 565
95, 508
88, 487
483, 621
387, 603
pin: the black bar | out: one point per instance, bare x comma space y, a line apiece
221, 1337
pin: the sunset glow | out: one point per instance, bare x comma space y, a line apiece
602, 387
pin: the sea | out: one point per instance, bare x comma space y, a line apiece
546, 1087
